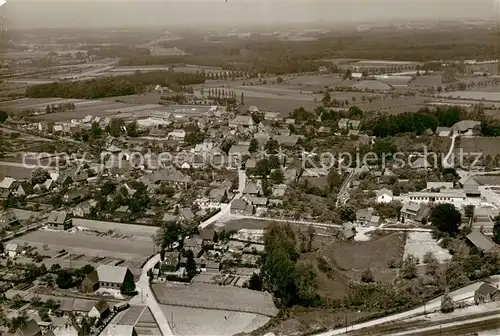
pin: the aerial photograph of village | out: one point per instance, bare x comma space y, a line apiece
219, 168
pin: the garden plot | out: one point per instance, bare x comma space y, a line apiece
419, 243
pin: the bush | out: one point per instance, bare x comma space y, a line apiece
367, 276
447, 304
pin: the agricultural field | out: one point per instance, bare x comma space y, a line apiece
185, 321
484, 145
473, 95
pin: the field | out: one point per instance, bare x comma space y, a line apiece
186, 321
473, 95
126, 229
484, 145
350, 259
419, 243
89, 247
217, 297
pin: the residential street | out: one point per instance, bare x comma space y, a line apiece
146, 296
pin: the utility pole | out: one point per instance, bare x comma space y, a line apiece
346, 325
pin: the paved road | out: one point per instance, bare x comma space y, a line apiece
225, 209
446, 159
146, 296
343, 194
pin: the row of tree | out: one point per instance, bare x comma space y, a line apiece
383, 125
291, 281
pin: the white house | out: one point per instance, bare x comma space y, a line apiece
177, 135
11, 250
99, 310
384, 196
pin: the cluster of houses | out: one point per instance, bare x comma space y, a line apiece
218, 261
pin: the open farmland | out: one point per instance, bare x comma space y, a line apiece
484, 145
186, 321
473, 95
208, 296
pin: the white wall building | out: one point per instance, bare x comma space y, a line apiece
456, 197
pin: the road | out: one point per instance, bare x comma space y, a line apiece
446, 159
225, 209
146, 297
343, 195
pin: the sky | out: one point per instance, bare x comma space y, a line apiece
134, 13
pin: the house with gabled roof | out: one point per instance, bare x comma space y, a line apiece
31, 328
106, 276
486, 293
241, 207
245, 121
100, 310
8, 183
481, 242
384, 196
59, 220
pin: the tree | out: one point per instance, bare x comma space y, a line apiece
310, 233
255, 282
496, 229
132, 129
469, 211
306, 284
227, 144
274, 162
128, 286
190, 264
64, 279
326, 98
96, 130
254, 146
334, 179
39, 176
262, 167
367, 276
115, 127
272, 146
446, 219
242, 99
347, 213
167, 235
277, 176
3, 116
409, 268
447, 304
347, 74
279, 80
431, 264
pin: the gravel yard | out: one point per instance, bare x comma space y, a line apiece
128, 229
186, 321
215, 297
132, 248
419, 243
